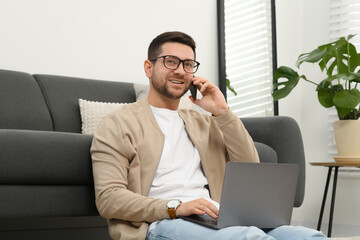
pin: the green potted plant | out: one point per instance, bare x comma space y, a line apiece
340, 89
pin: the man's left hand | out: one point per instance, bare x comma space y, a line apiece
213, 100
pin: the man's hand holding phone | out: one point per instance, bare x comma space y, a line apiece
213, 100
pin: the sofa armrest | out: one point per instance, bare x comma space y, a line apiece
45, 174
283, 135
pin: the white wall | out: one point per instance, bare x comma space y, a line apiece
301, 26
101, 39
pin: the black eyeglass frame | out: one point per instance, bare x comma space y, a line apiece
196, 66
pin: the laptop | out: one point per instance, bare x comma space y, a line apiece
254, 194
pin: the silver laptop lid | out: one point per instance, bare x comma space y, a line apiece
258, 194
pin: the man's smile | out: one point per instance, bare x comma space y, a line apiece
177, 81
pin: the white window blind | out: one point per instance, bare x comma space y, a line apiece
248, 50
344, 20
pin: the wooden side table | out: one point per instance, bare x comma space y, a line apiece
331, 165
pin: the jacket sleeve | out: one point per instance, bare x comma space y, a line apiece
111, 160
239, 144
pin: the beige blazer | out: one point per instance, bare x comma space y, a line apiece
126, 150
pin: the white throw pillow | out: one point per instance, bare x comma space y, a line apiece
92, 112
141, 90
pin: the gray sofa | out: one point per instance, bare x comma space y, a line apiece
46, 185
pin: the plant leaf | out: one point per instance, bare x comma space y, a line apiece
230, 87
348, 99
350, 36
352, 115
337, 55
342, 112
354, 62
282, 89
349, 76
323, 84
311, 57
326, 94
354, 77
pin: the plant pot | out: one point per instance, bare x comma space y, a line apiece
347, 138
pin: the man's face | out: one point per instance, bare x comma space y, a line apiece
172, 83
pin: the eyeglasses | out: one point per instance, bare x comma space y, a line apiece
173, 62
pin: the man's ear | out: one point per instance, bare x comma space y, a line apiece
148, 67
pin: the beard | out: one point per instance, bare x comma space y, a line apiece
162, 87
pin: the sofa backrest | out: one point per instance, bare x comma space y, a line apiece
51, 103
22, 105
62, 97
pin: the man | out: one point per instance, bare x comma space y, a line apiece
153, 163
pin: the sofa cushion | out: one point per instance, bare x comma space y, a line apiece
62, 95
47, 200
22, 105
41, 157
266, 153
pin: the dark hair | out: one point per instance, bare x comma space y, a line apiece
179, 37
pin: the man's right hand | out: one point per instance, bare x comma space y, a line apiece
199, 206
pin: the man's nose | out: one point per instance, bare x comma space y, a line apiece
180, 69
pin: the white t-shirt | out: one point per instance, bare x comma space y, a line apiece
179, 174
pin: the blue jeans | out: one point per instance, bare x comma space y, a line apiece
179, 229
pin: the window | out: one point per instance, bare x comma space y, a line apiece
248, 53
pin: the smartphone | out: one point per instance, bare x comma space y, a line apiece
193, 90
